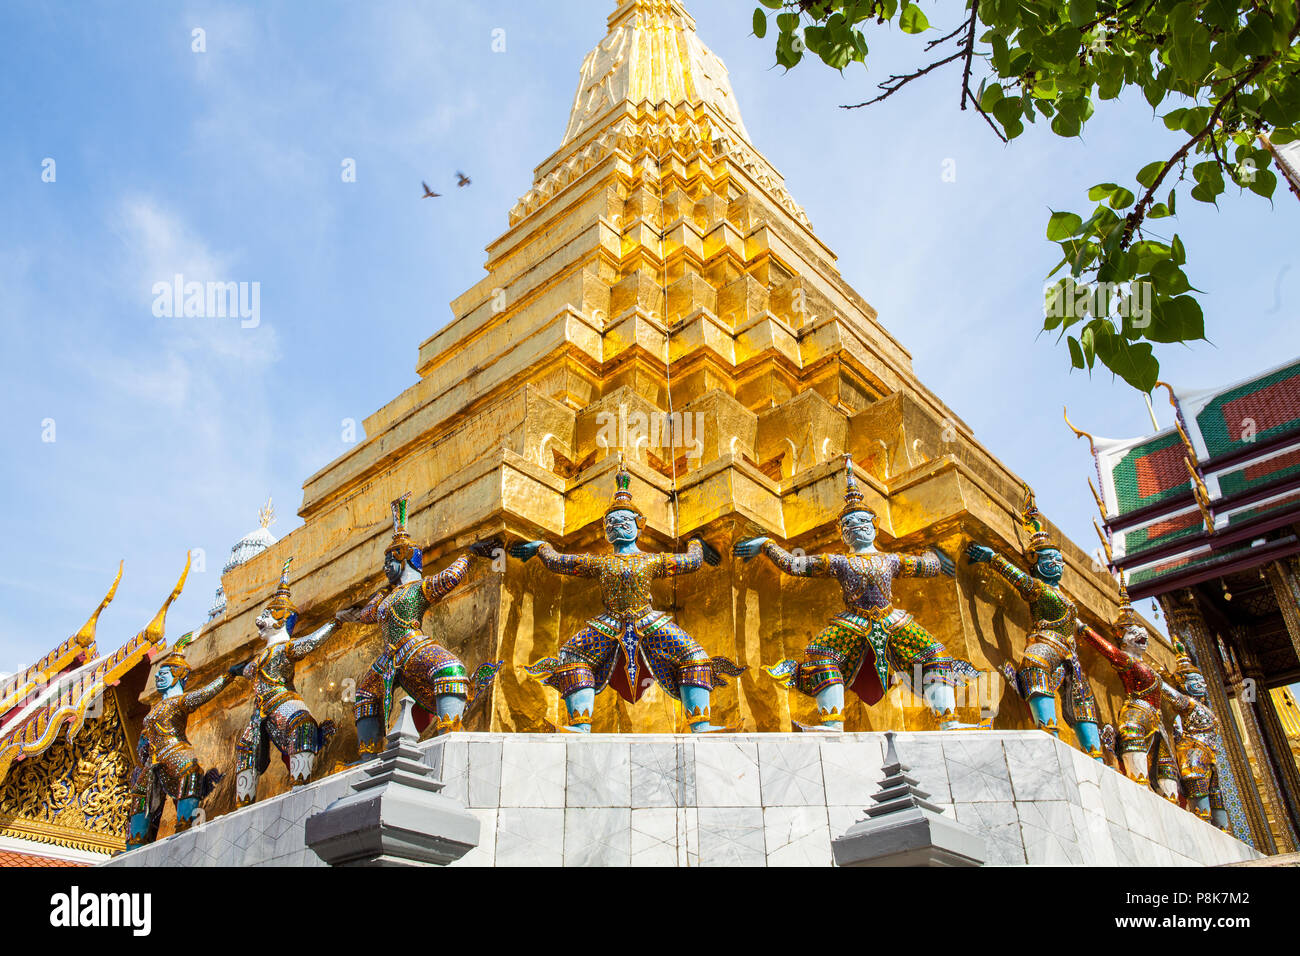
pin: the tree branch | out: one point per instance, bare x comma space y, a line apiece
970, 52
979, 109
1139, 212
901, 81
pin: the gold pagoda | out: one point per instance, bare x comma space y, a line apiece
658, 292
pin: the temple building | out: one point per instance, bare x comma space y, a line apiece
1202, 515
660, 294
68, 727
660, 316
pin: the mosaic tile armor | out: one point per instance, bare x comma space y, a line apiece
280, 716
1051, 659
1194, 748
167, 765
630, 646
434, 677
1139, 716
410, 659
870, 638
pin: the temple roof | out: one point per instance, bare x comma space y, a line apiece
1198, 498
64, 688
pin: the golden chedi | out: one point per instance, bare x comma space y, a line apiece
658, 294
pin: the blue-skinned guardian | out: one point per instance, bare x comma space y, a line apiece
630, 645
432, 675
870, 638
166, 763
1050, 662
1196, 739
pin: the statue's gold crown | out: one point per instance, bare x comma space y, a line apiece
1031, 520
622, 500
854, 500
401, 547
175, 658
1184, 666
281, 605
1127, 616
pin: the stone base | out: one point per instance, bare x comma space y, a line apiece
741, 800
914, 837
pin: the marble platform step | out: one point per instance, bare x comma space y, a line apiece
741, 800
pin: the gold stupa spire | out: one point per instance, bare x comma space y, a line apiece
652, 55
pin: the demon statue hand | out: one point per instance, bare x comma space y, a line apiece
433, 676
1051, 659
630, 645
1196, 739
1139, 716
870, 638
279, 715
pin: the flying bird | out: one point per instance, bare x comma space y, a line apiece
428, 193
461, 179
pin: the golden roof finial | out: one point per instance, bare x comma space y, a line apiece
154, 631
86, 636
1079, 432
1105, 542
266, 514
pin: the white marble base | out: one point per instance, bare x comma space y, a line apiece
741, 800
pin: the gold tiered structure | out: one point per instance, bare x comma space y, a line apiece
657, 266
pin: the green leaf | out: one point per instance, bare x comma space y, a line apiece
1264, 183
1189, 44
1066, 124
772, 4
1169, 278
1088, 340
1001, 54
1121, 198
1082, 12
1101, 191
1076, 353
1134, 363
1063, 225
760, 23
1177, 252
1174, 118
1177, 320
1148, 173
913, 19
990, 98
1257, 36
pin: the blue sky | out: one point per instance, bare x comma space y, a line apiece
226, 164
